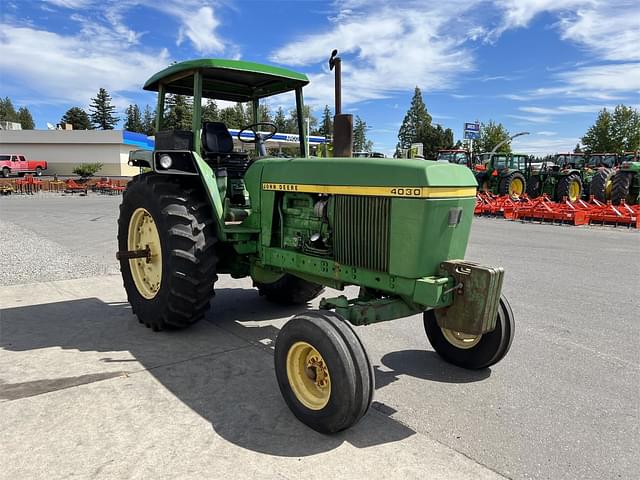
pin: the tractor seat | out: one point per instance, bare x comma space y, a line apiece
217, 146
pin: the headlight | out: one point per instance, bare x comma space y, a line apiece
165, 161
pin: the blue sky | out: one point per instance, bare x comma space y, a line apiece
544, 66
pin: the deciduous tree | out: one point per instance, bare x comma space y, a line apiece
491, 134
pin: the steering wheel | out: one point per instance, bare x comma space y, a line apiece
253, 127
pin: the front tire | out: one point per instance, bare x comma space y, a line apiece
6, 172
513, 185
468, 351
38, 172
570, 187
174, 220
323, 371
290, 290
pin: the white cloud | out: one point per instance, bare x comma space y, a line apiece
200, 28
387, 49
544, 146
564, 110
608, 29
71, 4
546, 133
72, 67
533, 118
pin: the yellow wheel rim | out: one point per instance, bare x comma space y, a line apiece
574, 191
607, 189
516, 188
143, 233
459, 339
308, 376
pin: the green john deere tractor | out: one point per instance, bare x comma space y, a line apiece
598, 174
396, 228
625, 184
558, 179
502, 173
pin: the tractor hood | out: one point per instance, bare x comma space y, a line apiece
311, 174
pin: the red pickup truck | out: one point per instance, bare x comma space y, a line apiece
14, 163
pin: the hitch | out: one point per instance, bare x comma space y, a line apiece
131, 254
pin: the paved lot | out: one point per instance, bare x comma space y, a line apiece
87, 391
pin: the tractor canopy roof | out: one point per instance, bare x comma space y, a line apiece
232, 80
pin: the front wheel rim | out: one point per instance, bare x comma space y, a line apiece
460, 340
143, 233
308, 375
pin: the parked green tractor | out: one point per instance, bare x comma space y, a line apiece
396, 228
559, 179
457, 156
598, 174
626, 181
502, 173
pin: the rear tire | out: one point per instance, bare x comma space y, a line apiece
570, 187
290, 290
6, 172
513, 185
600, 186
323, 371
184, 223
38, 172
480, 352
621, 189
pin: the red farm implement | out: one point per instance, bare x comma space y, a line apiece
107, 186
543, 209
74, 187
28, 185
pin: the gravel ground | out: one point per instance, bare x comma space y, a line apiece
48, 237
32, 258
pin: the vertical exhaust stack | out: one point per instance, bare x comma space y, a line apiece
342, 122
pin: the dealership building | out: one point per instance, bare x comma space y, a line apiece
63, 150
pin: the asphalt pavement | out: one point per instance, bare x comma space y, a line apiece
85, 390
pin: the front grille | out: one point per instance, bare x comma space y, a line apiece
361, 231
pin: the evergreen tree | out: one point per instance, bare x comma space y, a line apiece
280, 120
326, 125
577, 149
102, 112
133, 121
25, 119
233, 117
7, 111
148, 121
178, 113
210, 112
292, 121
264, 113
78, 118
491, 134
360, 141
416, 119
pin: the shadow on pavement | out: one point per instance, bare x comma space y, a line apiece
212, 367
426, 365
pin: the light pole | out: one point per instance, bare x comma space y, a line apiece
495, 149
